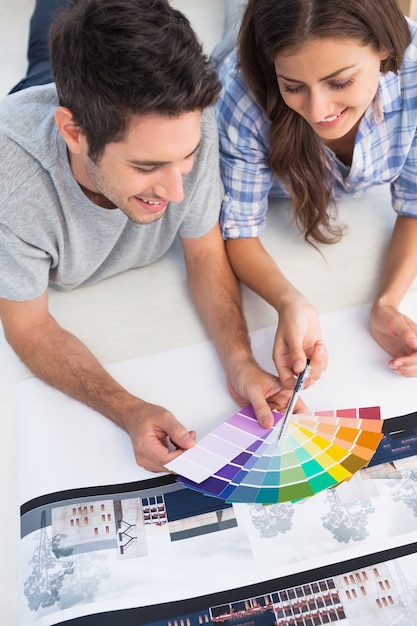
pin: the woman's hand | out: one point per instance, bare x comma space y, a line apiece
298, 337
396, 334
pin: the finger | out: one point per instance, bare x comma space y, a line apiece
318, 363
193, 435
406, 365
286, 375
262, 411
410, 338
180, 436
158, 457
151, 445
153, 456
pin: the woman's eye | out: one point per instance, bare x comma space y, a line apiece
342, 85
291, 89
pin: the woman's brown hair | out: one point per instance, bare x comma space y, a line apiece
297, 155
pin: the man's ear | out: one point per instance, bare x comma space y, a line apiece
70, 131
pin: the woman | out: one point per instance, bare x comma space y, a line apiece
319, 102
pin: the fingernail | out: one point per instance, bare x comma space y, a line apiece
266, 422
298, 366
395, 365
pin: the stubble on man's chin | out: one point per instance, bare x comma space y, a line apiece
142, 220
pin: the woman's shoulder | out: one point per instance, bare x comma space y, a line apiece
230, 75
411, 52
237, 104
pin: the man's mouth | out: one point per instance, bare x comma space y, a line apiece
151, 206
151, 202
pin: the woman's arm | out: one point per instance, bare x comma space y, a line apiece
216, 294
394, 331
298, 335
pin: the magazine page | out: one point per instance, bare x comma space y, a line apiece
105, 542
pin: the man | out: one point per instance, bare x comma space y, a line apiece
102, 169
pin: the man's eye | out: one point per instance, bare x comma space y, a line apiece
145, 171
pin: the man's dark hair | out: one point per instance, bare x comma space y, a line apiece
115, 58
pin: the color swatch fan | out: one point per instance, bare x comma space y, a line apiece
239, 461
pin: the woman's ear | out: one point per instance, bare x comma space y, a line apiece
383, 54
384, 60
70, 131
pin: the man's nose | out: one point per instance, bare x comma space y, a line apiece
171, 185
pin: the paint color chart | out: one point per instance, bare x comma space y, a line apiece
239, 461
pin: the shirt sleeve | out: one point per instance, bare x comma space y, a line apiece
404, 187
24, 267
403, 140
24, 236
203, 187
243, 131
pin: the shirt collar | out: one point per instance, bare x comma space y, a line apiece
388, 97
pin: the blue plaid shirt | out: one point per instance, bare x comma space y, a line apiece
385, 148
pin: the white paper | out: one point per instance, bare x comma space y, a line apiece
63, 445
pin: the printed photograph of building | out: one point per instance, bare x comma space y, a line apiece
123, 523
364, 597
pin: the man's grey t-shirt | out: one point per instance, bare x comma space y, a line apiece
51, 233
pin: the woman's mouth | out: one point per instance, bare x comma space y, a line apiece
332, 119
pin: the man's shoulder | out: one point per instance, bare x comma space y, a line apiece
27, 119
28, 143
209, 138
41, 97
208, 122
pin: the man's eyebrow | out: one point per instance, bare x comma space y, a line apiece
160, 163
332, 75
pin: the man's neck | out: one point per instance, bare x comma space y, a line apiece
85, 183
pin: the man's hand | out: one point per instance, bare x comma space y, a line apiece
250, 384
397, 334
298, 338
63, 361
157, 436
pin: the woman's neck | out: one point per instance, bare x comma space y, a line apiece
343, 147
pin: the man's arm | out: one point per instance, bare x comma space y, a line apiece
216, 293
60, 359
394, 331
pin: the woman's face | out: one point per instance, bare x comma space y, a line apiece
330, 83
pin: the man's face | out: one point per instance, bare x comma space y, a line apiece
143, 173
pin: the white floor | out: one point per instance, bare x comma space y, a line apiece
205, 15
149, 310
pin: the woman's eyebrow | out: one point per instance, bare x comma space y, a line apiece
332, 75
